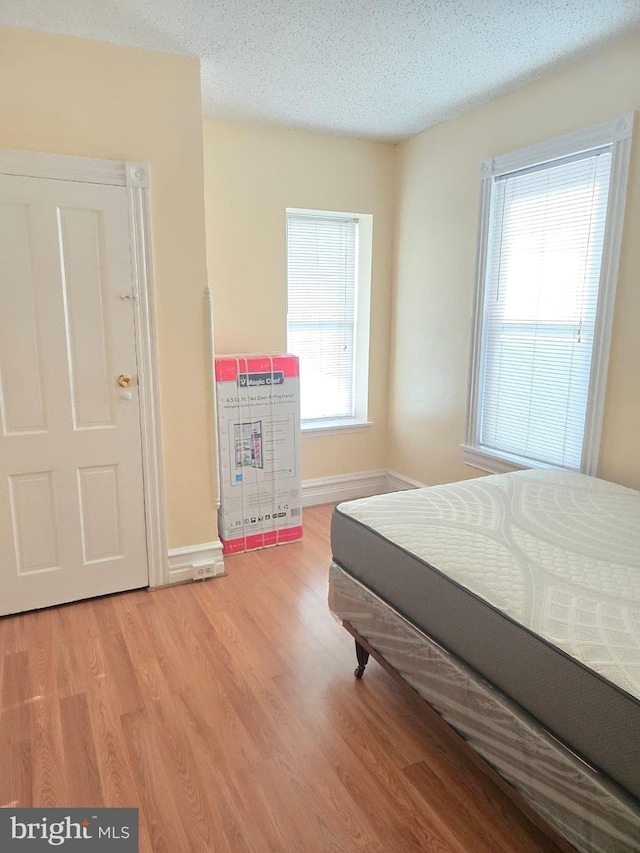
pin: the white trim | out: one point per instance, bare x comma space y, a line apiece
398, 482
617, 132
195, 562
614, 130
310, 429
362, 329
137, 174
135, 177
611, 249
346, 487
149, 386
362, 484
313, 213
493, 463
475, 378
62, 167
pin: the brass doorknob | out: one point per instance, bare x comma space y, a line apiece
125, 381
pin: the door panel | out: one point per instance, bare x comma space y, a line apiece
71, 489
99, 490
33, 516
22, 391
86, 298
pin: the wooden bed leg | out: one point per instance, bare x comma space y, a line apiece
363, 656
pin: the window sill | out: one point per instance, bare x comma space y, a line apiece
333, 427
496, 463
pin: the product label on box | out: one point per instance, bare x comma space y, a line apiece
263, 448
260, 380
257, 511
259, 450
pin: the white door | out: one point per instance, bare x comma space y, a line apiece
71, 491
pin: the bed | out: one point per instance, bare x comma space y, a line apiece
511, 604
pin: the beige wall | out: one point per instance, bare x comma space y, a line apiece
252, 174
438, 186
71, 96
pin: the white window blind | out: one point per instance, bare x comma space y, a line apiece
321, 311
544, 258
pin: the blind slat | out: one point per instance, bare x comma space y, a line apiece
321, 311
541, 296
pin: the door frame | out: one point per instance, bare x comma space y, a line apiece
135, 177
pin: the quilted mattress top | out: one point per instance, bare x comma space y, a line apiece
555, 551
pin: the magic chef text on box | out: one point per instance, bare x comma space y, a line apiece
258, 402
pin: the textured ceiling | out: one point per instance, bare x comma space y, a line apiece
382, 69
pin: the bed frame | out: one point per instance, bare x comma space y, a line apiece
566, 798
452, 740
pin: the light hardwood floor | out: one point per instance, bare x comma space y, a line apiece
228, 713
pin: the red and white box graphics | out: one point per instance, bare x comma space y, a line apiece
258, 404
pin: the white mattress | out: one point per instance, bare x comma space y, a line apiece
555, 551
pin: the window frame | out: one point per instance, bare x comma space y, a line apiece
617, 132
364, 244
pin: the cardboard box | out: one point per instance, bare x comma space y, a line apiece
258, 411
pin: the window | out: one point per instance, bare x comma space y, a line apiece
328, 289
550, 233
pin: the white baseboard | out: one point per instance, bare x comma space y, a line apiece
348, 487
195, 562
398, 482
326, 490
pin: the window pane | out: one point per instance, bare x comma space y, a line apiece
321, 294
541, 295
